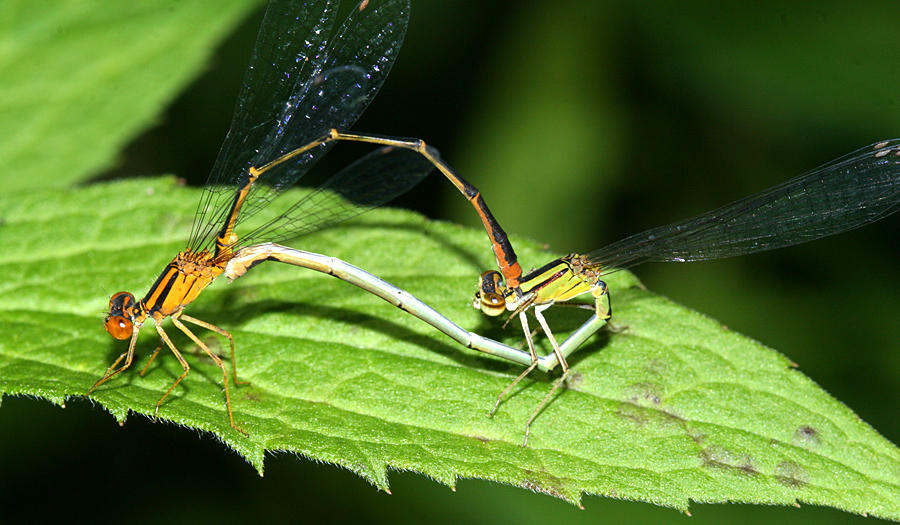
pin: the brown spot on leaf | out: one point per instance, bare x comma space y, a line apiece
807, 435
791, 474
535, 486
644, 393
748, 468
716, 457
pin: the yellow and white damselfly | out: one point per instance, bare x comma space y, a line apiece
846, 193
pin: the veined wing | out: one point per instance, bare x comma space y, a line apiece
304, 78
851, 191
369, 182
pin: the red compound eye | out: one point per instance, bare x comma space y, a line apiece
119, 327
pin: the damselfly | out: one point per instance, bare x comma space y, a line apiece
846, 193
305, 82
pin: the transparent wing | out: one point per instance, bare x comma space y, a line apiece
369, 182
304, 78
846, 193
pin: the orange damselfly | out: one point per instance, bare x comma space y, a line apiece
306, 81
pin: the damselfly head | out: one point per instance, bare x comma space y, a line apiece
491, 293
118, 321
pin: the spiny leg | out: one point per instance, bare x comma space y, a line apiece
524, 342
534, 363
217, 360
581, 306
220, 331
562, 362
128, 355
152, 357
184, 365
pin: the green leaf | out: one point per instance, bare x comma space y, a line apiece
81, 79
675, 408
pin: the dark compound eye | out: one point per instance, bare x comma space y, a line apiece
120, 302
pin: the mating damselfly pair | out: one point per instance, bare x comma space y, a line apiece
310, 79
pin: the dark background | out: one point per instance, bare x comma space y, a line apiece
582, 122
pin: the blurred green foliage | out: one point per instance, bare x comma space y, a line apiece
581, 123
